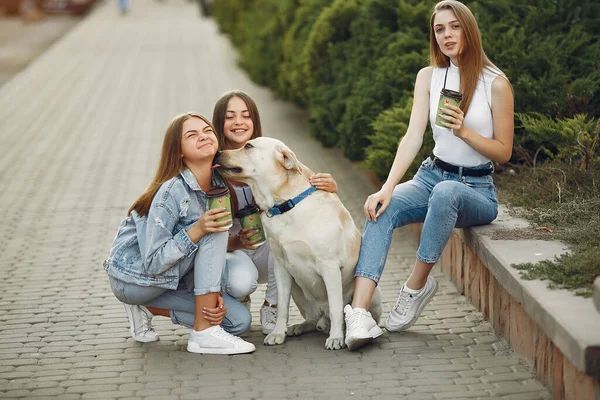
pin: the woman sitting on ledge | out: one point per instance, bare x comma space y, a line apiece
454, 186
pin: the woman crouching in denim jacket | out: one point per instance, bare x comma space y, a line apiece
170, 243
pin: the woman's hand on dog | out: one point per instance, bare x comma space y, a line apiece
383, 198
324, 182
215, 315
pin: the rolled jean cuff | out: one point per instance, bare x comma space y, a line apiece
427, 260
372, 277
202, 291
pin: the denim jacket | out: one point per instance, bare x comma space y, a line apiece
148, 249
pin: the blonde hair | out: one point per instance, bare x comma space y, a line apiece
472, 59
170, 164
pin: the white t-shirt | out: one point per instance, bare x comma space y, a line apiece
244, 198
448, 147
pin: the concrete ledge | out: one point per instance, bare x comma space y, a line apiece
558, 332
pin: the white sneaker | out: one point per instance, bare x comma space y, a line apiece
409, 306
215, 340
268, 318
140, 324
361, 328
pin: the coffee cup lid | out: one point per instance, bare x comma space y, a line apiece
452, 94
217, 191
248, 210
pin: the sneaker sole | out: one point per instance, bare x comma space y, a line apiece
207, 350
145, 340
419, 311
267, 331
375, 332
357, 343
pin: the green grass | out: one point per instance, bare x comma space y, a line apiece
562, 203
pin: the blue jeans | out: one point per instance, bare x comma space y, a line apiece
206, 276
441, 201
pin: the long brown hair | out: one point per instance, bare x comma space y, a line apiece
170, 164
220, 112
472, 59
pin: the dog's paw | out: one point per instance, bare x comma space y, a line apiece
273, 339
299, 329
334, 343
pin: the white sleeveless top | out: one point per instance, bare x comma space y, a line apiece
448, 147
244, 198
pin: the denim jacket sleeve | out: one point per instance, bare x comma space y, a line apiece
164, 246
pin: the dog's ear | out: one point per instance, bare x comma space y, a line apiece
288, 159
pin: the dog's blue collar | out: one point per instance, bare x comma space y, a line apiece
286, 206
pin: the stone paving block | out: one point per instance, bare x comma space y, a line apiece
164, 393
481, 386
187, 390
462, 395
509, 388
467, 381
37, 384
16, 375
194, 396
527, 396
16, 393
516, 376
440, 389
419, 396
62, 396
107, 395
85, 388
450, 367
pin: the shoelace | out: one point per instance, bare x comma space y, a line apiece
404, 302
223, 334
271, 315
354, 319
146, 323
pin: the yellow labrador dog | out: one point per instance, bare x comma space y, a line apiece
312, 236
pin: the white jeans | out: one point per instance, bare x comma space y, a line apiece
245, 269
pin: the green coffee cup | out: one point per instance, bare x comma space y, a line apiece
218, 197
249, 217
450, 96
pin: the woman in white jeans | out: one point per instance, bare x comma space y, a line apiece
236, 121
453, 187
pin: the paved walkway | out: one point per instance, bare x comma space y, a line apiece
80, 131
22, 42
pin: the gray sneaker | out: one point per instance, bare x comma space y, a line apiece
361, 328
408, 307
140, 324
268, 318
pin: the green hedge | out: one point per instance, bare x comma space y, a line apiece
352, 64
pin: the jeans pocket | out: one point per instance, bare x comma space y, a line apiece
479, 182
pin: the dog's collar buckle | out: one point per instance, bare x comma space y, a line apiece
286, 206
